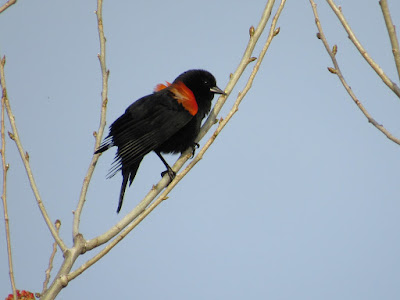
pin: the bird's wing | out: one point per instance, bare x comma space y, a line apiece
144, 126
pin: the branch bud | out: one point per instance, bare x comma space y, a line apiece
57, 223
332, 70
251, 31
11, 135
334, 49
63, 280
318, 35
276, 31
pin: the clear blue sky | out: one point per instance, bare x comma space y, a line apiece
297, 199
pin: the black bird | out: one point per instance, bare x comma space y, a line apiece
167, 121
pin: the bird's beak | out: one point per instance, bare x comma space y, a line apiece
217, 90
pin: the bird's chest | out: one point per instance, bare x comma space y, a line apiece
183, 138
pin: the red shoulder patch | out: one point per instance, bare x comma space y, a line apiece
161, 86
184, 96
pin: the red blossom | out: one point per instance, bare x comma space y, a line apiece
22, 295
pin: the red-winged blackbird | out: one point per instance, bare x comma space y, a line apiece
166, 121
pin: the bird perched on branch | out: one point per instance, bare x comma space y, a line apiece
167, 121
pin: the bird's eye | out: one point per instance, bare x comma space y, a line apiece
206, 82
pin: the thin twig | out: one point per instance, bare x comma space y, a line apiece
25, 159
247, 58
392, 33
336, 70
71, 255
361, 49
53, 254
105, 73
60, 280
152, 194
4, 195
223, 121
152, 206
5, 6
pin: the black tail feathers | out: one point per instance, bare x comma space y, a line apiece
105, 145
127, 174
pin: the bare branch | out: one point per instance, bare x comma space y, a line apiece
336, 70
105, 73
246, 59
53, 254
362, 51
5, 6
223, 121
392, 33
4, 195
60, 281
25, 160
79, 247
145, 211
254, 36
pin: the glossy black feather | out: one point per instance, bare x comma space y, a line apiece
158, 122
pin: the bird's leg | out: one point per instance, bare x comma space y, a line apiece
169, 171
194, 147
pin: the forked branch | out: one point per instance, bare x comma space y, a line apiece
336, 70
145, 208
361, 49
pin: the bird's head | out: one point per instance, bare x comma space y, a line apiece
203, 86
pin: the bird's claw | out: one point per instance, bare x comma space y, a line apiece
195, 146
170, 173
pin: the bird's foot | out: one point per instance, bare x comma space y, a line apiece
195, 146
170, 173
